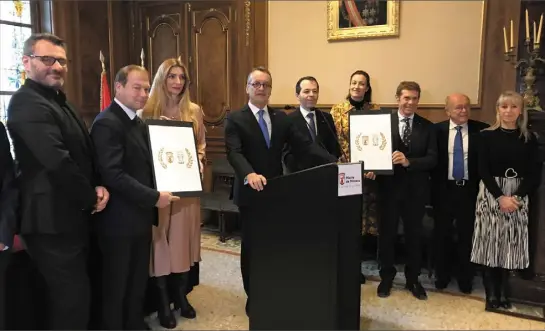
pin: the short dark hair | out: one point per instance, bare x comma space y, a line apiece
28, 48
123, 73
260, 69
408, 86
309, 78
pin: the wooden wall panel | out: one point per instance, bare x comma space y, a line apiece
92, 36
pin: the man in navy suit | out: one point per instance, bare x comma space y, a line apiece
456, 184
317, 125
8, 209
254, 138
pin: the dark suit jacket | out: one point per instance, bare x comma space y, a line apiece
247, 150
125, 165
422, 156
440, 173
55, 159
326, 138
9, 192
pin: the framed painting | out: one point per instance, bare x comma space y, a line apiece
357, 19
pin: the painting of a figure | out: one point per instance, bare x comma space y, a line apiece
356, 13
355, 19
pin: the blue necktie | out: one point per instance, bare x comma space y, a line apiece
312, 126
263, 126
458, 158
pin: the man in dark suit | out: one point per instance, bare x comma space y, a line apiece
8, 215
317, 125
254, 139
455, 187
59, 185
405, 193
124, 228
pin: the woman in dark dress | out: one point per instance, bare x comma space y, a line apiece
509, 168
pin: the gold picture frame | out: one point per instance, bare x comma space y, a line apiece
358, 19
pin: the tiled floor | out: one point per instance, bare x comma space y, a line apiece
219, 301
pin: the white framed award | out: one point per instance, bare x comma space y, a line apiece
371, 140
176, 166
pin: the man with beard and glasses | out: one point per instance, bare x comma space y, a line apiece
58, 181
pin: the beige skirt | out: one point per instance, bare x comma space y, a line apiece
176, 244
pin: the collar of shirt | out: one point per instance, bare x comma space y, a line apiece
402, 117
255, 109
305, 112
131, 113
454, 125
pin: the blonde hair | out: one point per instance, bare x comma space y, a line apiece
522, 120
159, 95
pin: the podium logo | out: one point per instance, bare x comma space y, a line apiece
341, 178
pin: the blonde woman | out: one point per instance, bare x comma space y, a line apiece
509, 168
176, 240
358, 98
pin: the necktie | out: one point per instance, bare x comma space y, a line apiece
312, 126
264, 128
406, 132
458, 158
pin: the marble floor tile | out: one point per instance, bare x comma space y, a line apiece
219, 301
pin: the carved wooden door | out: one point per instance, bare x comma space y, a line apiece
212, 58
164, 32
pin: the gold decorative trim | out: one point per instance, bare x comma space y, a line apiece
247, 18
391, 28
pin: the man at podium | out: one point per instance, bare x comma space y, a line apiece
254, 139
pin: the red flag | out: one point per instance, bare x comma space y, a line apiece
105, 98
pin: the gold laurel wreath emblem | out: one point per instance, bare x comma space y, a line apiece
160, 158
383, 142
189, 158
358, 146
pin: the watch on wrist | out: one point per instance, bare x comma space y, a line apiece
518, 198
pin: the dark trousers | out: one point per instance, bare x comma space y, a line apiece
245, 249
456, 205
410, 206
125, 272
4, 262
62, 261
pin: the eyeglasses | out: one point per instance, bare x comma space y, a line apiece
257, 85
50, 60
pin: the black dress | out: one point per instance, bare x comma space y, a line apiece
508, 165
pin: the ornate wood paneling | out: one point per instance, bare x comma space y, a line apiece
211, 55
163, 31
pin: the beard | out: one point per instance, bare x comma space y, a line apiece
48, 76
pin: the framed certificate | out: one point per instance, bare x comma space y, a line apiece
370, 135
176, 166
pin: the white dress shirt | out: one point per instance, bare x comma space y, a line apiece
451, 136
402, 124
131, 113
305, 113
266, 116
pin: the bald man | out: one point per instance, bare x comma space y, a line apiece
455, 186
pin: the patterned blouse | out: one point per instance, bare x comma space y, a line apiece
339, 113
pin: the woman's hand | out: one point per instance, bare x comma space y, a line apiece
166, 118
508, 204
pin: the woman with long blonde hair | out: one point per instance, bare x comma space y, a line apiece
176, 239
509, 170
